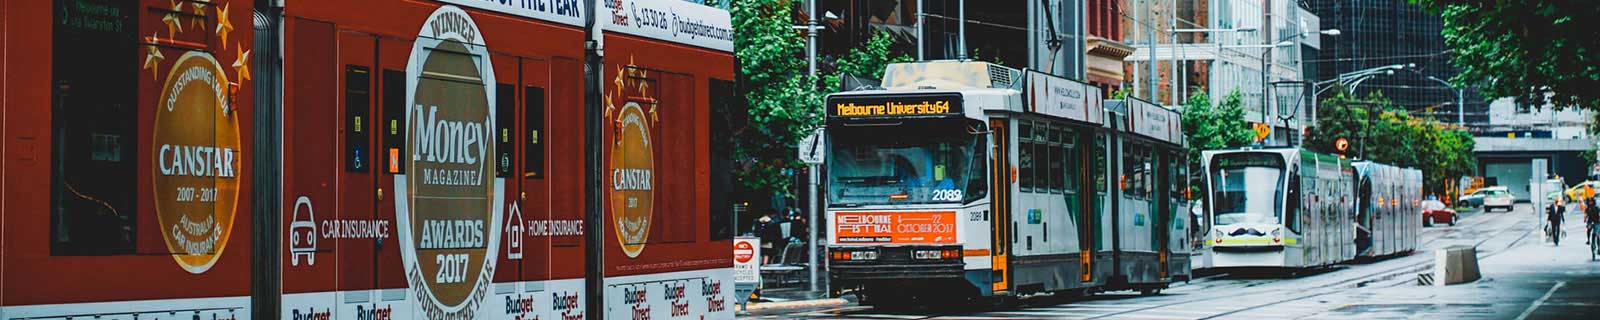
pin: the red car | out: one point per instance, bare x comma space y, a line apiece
1434, 211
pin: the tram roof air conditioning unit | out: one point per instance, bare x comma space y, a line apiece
950, 75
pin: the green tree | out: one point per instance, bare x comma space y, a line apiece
784, 103
868, 60
1535, 51
1379, 131
1209, 127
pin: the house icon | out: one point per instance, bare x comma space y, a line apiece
515, 227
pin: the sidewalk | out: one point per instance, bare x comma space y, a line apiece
794, 299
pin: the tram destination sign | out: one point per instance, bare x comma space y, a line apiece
886, 106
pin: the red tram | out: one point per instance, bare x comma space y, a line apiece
430, 153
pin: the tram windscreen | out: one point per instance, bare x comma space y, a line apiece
906, 162
1246, 188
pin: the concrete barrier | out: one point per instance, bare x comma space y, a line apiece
1455, 264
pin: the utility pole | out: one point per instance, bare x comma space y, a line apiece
811, 38
1150, 42
594, 275
961, 29
920, 33
1266, 65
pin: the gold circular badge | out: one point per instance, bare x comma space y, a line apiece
632, 179
197, 161
449, 209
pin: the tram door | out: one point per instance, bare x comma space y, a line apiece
1001, 222
1162, 215
357, 199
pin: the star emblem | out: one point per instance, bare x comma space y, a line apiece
242, 64
200, 15
223, 26
173, 22
152, 59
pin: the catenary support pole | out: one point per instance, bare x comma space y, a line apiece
920, 33
594, 262
961, 29
811, 38
811, 226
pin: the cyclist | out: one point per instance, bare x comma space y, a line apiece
1591, 216
1553, 214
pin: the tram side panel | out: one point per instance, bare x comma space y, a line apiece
127, 176
1046, 210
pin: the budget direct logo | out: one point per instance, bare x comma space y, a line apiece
449, 211
632, 163
195, 148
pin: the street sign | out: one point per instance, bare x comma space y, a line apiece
1262, 130
1342, 144
746, 267
812, 148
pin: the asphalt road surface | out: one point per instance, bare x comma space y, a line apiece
1524, 277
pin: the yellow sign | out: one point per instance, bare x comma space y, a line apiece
892, 106
1262, 130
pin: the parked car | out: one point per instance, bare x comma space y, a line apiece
1577, 193
1471, 200
1497, 197
1434, 211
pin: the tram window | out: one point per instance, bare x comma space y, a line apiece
1069, 155
94, 128
978, 179
1025, 156
1291, 211
1058, 157
505, 106
394, 115
357, 99
1101, 151
534, 135
723, 103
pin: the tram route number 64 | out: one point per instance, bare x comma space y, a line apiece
452, 268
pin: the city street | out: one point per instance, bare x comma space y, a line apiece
1524, 277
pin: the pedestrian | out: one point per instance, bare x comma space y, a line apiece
771, 237
1553, 214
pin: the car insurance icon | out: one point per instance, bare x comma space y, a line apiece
303, 233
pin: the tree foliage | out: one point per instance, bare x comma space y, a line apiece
783, 105
1535, 51
1211, 127
1378, 130
784, 102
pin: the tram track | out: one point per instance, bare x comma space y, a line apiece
1340, 286
1402, 265
1415, 267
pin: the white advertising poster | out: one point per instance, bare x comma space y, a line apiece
1058, 97
746, 260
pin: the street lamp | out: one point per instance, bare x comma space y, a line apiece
1461, 115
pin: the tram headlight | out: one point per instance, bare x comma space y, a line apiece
936, 254
854, 255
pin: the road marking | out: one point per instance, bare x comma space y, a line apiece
1537, 303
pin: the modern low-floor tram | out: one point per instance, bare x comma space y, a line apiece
1294, 208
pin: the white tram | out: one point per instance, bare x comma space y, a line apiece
968, 179
1389, 198
1294, 208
